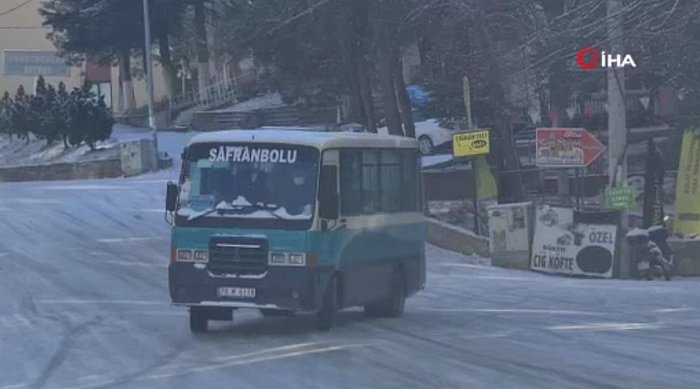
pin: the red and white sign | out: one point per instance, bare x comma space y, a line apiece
566, 147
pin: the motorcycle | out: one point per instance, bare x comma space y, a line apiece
651, 251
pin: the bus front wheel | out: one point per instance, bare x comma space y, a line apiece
325, 317
199, 320
393, 304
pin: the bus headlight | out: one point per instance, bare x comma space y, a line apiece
287, 259
192, 255
201, 255
278, 259
297, 259
184, 255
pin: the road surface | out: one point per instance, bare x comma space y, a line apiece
84, 304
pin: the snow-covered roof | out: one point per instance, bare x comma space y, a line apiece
318, 139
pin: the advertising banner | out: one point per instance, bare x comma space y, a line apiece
561, 246
469, 144
688, 186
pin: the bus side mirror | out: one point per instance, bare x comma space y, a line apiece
328, 193
171, 197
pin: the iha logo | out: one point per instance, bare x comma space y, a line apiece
590, 59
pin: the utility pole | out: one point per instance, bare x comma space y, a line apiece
475, 180
467, 100
617, 119
149, 80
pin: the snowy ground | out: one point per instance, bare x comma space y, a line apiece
17, 152
85, 305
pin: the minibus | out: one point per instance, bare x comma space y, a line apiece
290, 221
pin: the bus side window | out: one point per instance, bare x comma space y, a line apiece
328, 192
351, 195
409, 182
390, 181
371, 183
378, 182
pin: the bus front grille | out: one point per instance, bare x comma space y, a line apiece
237, 255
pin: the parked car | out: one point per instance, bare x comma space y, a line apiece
431, 134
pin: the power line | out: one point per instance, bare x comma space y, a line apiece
287, 21
15, 8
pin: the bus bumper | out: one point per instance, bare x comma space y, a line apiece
284, 288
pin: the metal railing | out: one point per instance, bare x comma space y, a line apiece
216, 94
595, 103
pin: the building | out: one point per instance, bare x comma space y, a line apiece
26, 53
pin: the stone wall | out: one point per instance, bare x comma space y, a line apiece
457, 239
63, 171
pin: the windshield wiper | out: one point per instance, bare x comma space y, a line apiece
264, 207
261, 206
236, 210
210, 211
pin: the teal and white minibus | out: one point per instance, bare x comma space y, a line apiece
288, 221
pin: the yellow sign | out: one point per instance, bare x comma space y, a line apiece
469, 144
688, 186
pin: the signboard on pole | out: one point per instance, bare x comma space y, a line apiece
619, 197
471, 144
561, 246
566, 147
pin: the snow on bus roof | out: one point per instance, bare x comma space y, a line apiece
310, 137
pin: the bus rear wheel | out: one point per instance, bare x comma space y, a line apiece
199, 320
393, 304
325, 317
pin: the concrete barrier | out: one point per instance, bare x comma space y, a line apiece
457, 239
108, 168
686, 256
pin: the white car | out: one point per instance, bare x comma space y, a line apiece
429, 134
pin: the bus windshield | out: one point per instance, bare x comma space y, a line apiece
249, 181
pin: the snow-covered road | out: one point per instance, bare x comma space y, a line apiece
84, 304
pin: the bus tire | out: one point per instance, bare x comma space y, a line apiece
393, 304
199, 321
325, 317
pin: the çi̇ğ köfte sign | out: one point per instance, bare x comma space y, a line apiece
563, 247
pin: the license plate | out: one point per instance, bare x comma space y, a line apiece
235, 292
643, 265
